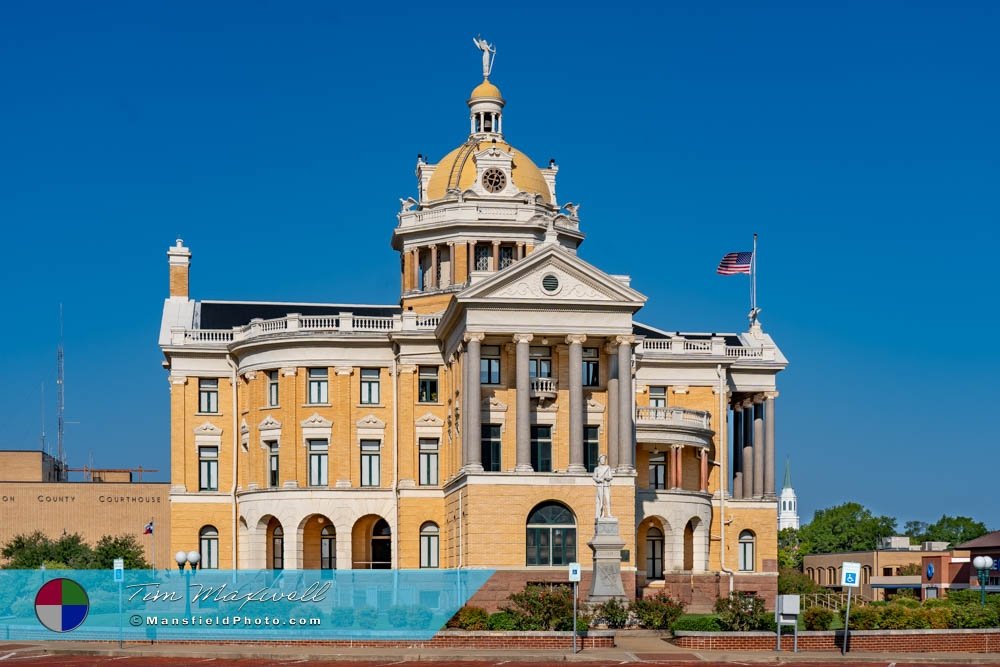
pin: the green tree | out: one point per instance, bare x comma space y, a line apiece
915, 530
954, 529
847, 527
28, 551
790, 551
126, 547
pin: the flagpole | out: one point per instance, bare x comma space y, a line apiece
152, 536
753, 282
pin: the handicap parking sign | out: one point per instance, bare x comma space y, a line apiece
850, 575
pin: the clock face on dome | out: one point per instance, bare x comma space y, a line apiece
494, 180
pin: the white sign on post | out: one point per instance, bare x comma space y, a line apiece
850, 575
119, 569
574, 572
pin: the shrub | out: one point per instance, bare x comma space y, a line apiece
418, 617
544, 608
864, 618
793, 582
969, 616
741, 612
657, 612
367, 617
696, 624
397, 616
902, 617
504, 620
469, 618
342, 617
613, 613
817, 618
938, 616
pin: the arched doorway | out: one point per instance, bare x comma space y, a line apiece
654, 553
371, 542
318, 543
551, 535
689, 546
274, 540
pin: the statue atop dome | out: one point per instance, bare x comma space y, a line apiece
489, 54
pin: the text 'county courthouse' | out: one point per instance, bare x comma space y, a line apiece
457, 429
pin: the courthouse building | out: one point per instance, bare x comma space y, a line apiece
457, 427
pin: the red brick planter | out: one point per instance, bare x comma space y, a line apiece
911, 641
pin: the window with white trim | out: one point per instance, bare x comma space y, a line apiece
747, 546
539, 361
319, 452
272, 464
272, 389
369, 386
208, 545
428, 384
591, 367
319, 385
489, 364
208, 468
428, 461
208, 395
371, 462
429, 544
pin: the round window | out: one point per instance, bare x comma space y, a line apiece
494, 180
550, 284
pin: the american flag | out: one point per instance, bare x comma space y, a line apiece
735, 262
148, 530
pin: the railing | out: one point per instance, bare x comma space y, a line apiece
674, 415
345, 322
834, 601
543, 385
713, 346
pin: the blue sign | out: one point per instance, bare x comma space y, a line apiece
930, 571
850, 578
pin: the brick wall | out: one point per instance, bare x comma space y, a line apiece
915, 641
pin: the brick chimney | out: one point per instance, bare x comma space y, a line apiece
180, 265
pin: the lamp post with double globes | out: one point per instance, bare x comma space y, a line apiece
191, 558
983, 565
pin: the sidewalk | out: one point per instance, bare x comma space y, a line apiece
629, 649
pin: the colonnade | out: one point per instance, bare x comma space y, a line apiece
620, 426
753, 446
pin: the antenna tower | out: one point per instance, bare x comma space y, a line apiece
45, 446
60, 400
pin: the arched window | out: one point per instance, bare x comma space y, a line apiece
208, 544
551, 535
328, 548
747, 556
654, 553
429, 544
278, 549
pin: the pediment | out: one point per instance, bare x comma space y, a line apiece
554, 275
208, 428
244, 427
316, 420
429, 420
269, 423
370, 421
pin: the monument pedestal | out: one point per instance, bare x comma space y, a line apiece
607, 545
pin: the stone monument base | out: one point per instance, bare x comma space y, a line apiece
607, 545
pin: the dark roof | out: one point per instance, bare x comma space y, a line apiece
650, 332
229, 314
989, 540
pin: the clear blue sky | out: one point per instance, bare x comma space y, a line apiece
860, 140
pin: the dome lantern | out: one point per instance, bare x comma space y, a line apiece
486, 102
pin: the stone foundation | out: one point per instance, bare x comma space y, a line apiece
699, 591
497, 589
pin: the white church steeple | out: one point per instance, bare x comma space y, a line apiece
788, 503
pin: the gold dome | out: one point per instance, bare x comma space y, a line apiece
486, 89
458, 170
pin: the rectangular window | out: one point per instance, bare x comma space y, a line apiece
318, 385
371, 462
591, 447
209, 553
489, 364
541, 448
208, 468
591, 367
484, 254
506, 256
658, 472
429, 462
428, 384
490, 435
540, 362
319, 451
369, 386
208, 395
746, 556
272, 464
429, 550
657, 397
272, 389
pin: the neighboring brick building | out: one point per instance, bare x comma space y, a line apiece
31, 499
330, 435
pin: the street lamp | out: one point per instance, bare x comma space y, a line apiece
192, 558
983, 565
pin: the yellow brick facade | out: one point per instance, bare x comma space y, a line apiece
462, 354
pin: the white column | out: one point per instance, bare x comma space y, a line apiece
473, 406
523, 404
576, 403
